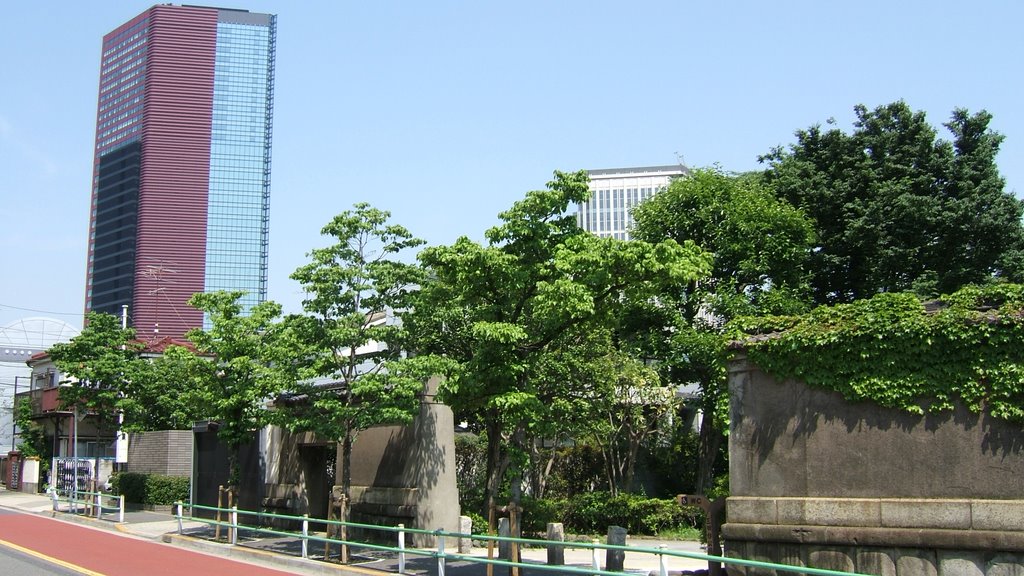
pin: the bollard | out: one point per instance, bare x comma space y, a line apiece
466, 529
556, 552
662, 562
305, 535
615, 560
234, 525
120, 511
401, 548
504, 546
595, 561
179, 518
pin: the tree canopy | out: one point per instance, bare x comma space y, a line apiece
504, 311
760, 246
100, 365
235, 372
897, 208
349, 354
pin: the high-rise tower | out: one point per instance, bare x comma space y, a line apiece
181, 175
614, 193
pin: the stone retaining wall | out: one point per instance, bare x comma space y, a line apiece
818, 481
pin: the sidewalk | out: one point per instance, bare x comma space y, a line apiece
284, 553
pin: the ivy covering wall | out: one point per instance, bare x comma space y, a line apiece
901, 352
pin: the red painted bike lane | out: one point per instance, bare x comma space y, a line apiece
111, 554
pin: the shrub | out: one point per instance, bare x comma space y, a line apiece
537, 513
153, 489
592, 514
479, 522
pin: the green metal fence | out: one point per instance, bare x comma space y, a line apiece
96, 504
233, 525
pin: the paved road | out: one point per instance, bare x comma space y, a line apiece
55, 547
18, 563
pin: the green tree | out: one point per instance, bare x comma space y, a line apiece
351, 365
761, 246
163, 396
896, 208
99, 366
31, 435
119, 383
236, 370
503, 310
634, 408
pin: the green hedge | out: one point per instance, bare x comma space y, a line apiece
593, 512
154, 489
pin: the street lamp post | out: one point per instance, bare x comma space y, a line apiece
74, 457
14, 414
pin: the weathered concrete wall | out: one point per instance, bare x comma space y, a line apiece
406, 474
296, 475
167, 452
815, 480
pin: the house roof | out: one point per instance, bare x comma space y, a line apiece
153, 347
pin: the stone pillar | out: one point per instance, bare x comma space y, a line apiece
504, 546
615, 559
465, 527
30, 475
556, 552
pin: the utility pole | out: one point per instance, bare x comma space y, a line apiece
121, 443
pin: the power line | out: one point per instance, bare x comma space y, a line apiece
77, 314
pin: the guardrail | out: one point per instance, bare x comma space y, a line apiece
91, 503
443, 537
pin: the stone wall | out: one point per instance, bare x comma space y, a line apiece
400, 474
167, 452
818, 481
406, 474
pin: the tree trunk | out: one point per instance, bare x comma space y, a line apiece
630, 473
707, 453
495, 469
542, 470
517, 480
346, 465
234, 470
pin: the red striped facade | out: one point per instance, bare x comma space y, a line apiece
178, 115
176, 118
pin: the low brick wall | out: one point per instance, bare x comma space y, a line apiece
166, 452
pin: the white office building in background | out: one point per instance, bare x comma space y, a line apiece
614, 193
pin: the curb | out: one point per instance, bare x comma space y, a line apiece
262, 557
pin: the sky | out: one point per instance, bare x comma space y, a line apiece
445, 113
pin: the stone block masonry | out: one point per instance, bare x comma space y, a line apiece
821, 482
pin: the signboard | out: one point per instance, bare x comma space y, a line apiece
121, 448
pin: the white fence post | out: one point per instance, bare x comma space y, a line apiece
98, 499
440, 553
179, 517
595, 558
662, 562
305, 535
120, 512
401, 548
234, 524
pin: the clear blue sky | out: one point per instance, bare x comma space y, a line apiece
445, 112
